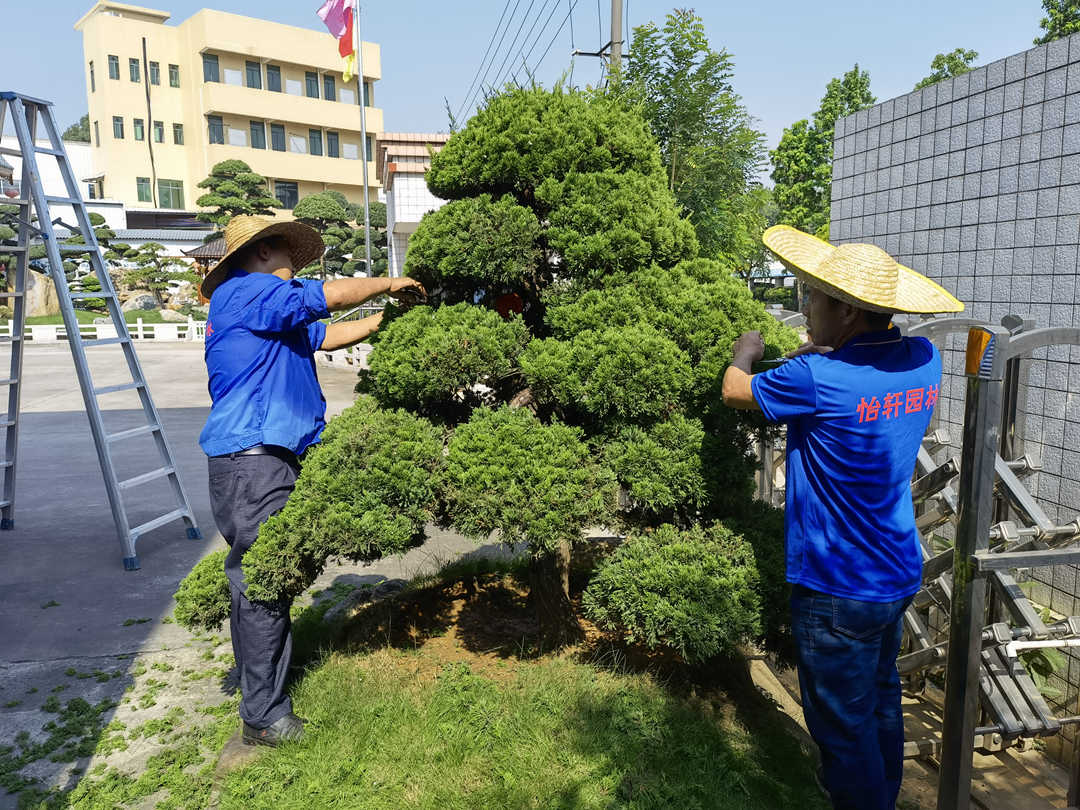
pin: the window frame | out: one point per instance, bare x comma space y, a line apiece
295, 196
260, 128
174, 75
315, 142
114, 66
177, 187
93, 83
333, 144
138, 129
275, 72
135, 70
211, 121
248, 67
118, 126
275, 130
311, 80
178, 134
329, 87
155, 73
211, 66
97, 135
141, 184
159, 130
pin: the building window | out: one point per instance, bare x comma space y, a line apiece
170, 193
97, 135
329, 91
332, 144
350, 151
133, 69
367, 94
312, 84
298, 144
155, 73
138, 129
315, 139
258, 135
159, 132
178, 134
286, 193
142, 188
118, 127
217, 128
277, 137
174, 75
369, 149
93, 87
114, 66
253, 75
273, 78
210, 72
91, 191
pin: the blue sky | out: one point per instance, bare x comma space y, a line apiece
785, 51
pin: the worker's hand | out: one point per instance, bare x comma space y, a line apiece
749, 348
407, 291
809, 348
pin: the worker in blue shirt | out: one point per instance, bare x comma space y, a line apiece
857, 400
262, 333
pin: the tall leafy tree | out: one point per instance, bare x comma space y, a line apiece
802, 161
947, 65
79, 131
710, 150
1062, 18
233, 188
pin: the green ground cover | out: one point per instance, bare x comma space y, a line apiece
87, 316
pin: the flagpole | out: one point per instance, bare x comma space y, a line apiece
363, 136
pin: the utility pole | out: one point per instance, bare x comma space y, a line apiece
616, 36
363, 136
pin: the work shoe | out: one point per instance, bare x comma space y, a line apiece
289, 728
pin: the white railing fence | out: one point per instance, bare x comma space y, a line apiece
192, 330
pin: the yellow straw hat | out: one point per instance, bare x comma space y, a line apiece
305, 244
864, 276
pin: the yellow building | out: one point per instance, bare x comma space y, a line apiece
167, 102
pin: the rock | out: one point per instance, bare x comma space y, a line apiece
41, 296
139, 300
172, 316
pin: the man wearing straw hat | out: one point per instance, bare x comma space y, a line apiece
857, 400
262, 333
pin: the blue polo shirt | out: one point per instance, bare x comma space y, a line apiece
856, 418
261, 337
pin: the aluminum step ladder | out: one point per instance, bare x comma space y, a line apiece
26, 114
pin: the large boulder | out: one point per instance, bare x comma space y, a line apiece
172, 316
41, 298
139, 300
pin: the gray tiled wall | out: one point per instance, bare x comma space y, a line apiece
975, 182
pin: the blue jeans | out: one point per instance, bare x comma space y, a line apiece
846, 652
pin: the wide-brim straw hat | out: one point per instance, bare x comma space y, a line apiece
864, 276
305, 244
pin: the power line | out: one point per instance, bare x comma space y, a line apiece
569, 16
513, 13
499, 74
573, 47
600, 31
519, 61
482, 61
542, 30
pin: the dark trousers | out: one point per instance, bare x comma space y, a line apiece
244, 492
846, 653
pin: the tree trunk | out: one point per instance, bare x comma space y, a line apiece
549, 592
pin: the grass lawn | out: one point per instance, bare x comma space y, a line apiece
85, 316
435, 698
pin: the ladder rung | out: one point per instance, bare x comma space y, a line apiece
150, 525
130, 434
11, 381
9, 338
74, 248
12, 248
5, 423
47, 150
14, 200
98, 294
112, 389
7, 294
63, 201
105, 341
4, 504
7, 150
160, 472
4, 464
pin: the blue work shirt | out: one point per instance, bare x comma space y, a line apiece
856, 418
261, 337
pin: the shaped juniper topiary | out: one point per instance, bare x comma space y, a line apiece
695, 591
533, 484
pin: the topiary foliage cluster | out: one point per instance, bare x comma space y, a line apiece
696, 591
365, 491
203, 601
